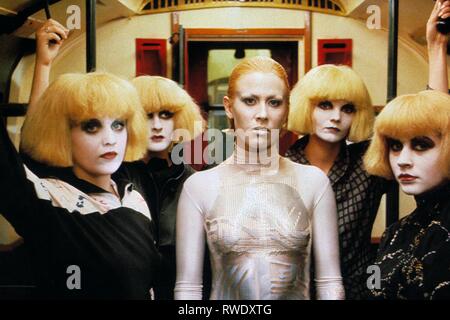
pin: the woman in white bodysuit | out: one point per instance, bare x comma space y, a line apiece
259, 212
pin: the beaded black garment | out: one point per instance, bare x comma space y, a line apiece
414, 253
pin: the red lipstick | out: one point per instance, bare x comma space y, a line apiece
157, 138
109, 155
406, 177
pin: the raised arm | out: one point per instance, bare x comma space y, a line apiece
19, 202
437, 48
326, 248
190, 247
49, 39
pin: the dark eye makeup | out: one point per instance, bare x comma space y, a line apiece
162, 114
91, 125
348, 108
325, 105
422, 143
94, 125
394, 144
165, 114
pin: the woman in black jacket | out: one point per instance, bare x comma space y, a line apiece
161, 174
90, 235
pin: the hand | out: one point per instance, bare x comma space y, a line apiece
434, 38
49, 39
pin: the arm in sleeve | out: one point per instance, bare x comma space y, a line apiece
437, 49
326, 248
190, 247
18, 199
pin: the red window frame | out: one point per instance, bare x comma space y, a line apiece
145, 45
335, 51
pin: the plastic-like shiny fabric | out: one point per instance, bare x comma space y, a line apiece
259, 227
258, 232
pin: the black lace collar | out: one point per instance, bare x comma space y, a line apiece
434, 197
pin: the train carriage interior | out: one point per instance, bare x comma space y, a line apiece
197, 43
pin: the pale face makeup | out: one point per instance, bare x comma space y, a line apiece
333, 120
258, 108
98, 147
161, 126
415, 163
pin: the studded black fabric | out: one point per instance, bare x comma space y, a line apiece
358, 197
414, 253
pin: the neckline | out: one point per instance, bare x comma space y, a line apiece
251, 163
340, 164
433, 196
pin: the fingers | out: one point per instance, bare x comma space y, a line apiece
441, 10
58, 31
435, 12
52, 28
444, 10
54, 38
49, 38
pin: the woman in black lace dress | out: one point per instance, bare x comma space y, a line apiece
412, 145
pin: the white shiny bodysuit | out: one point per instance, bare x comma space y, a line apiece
259, 225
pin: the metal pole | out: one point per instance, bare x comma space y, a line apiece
47, 9
90, 36
181, 56
392, 201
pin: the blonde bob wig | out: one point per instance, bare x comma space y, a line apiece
161, 94
331, 82
408, 116
74, 98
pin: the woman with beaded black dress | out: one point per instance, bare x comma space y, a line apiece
411, 144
